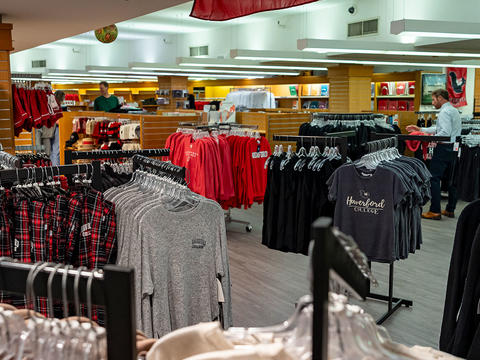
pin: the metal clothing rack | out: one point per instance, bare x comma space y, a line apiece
329, 254
393, 303
112, 288
346, 116
341, 141
39, 173
377, 136
10, 160
112, 154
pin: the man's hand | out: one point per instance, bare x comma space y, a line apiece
411, 128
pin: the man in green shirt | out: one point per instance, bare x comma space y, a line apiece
106, 101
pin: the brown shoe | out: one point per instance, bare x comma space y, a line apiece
448, 214
432, 216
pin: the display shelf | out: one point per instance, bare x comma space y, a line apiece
287, 97
396, 97
314, 97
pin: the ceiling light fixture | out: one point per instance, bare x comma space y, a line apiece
235, 64
261, 55
438, 29
159, 71
377, 48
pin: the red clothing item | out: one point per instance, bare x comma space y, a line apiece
43, 104
259, 150
35, 109
28, 123
19, 113
414, 144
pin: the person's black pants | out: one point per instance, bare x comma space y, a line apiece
442, 159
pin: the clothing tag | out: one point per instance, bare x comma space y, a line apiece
46, 227
456, 145
16, 244
366, 174
220, 296
259, 154
198, 243
459, 152
85, 229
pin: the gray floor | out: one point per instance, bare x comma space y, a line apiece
266, 283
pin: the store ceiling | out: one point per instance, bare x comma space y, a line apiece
41, 22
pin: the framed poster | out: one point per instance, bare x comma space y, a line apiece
431, 82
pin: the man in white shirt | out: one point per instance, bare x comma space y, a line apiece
448, 124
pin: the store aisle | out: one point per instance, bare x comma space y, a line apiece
266, 283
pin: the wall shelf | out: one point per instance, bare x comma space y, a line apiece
314, 97
396, 97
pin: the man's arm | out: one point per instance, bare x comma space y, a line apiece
444, 124
95, 105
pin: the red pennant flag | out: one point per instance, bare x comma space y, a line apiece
219, 10
456, 81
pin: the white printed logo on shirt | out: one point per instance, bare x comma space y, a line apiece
365, 204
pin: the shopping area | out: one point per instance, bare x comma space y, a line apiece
240, 180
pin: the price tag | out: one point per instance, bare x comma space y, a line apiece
459, 152
456, 145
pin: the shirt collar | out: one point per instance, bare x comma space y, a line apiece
447, 104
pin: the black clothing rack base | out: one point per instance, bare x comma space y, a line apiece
393, 303
114, 290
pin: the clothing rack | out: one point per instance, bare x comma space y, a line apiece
39, 173
393, 303
341, 141
113, 288
143, 162
346, 116
250, 89
377, 136
329, 254
10, 160
112, 154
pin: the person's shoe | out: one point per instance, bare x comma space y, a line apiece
449, 214
432, 216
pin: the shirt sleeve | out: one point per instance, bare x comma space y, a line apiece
444, 124
332, 186
429, 130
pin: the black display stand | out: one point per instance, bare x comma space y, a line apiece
329, 254
114, 290
70, 155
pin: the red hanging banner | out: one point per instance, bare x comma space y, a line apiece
456, 81
219, 10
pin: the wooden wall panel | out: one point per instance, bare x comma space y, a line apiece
156, 129
6, 106
477, 91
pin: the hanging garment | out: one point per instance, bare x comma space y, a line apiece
460, 333
361, 124
294, 198
179, 254
75, 227
385, 201
226, 167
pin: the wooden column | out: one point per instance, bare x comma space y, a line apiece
6, 107
172, 83
476, 93
350, 88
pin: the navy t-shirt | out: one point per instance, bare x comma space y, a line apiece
365, 208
